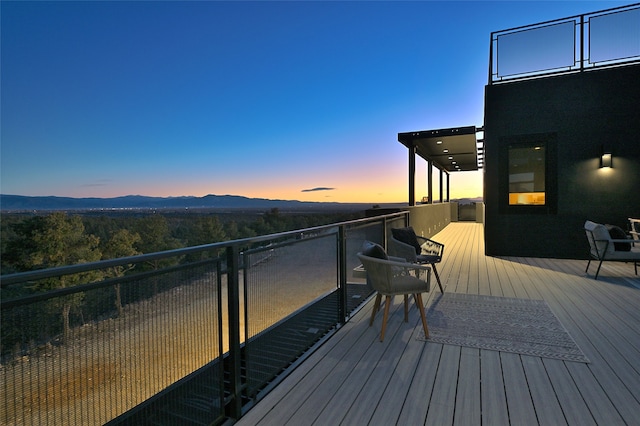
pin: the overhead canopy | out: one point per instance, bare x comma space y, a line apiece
452, 150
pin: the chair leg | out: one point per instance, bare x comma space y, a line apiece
435, 272
598, 270
588, 263
387, 304
406, 308
376, 308
418, 298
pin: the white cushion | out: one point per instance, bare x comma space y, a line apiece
601, 235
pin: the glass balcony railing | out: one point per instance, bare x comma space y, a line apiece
579, 43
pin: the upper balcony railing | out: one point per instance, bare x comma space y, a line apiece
579, 43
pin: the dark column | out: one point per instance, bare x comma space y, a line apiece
430, 181
412, 176
448, 194
441, 185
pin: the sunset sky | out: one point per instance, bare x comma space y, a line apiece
281, 100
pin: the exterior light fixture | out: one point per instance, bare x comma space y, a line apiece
606, 157
439, 142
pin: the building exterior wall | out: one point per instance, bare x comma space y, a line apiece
577, 114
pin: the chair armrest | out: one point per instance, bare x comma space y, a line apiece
425, 239
437, 248
398, 259
404, 264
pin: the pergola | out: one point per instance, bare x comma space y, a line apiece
449, 150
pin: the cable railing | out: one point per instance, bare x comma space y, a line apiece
187, 336
575, 44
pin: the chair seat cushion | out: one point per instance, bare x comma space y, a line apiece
408, 284
617, 233
631, 255
373, 250
408, 236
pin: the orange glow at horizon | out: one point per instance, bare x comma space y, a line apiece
374, 185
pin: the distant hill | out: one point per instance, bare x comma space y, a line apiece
463, 201
25, 203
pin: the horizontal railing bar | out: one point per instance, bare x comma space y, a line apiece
79, 288
568, 18
20, 277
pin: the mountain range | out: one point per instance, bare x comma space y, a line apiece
141, 202
24, 203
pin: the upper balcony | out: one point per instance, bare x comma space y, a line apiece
574, 44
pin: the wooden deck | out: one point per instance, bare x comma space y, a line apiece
354, 379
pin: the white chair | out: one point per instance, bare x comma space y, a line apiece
603, 247
634, 228
392, 277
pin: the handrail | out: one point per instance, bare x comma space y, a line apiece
20, 277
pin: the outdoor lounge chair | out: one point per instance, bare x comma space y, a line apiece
603, 247
634, 229
406, 244
390, 277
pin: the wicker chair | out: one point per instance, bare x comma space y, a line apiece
404, 243
390, 277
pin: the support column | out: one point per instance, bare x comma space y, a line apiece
412, 176
430, 181
448, 194
441, 185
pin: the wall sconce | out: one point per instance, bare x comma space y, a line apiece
606, 157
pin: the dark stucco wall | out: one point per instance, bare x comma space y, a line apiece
583, 112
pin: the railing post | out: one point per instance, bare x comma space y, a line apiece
342, 273
491, 60
235, 360
581, 43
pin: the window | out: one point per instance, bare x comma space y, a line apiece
527, 171
528, 174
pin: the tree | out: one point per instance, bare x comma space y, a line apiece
155, 234
50, 241
202, 230
121, 244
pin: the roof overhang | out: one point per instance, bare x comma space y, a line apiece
452, 150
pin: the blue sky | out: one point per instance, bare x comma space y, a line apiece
261, 99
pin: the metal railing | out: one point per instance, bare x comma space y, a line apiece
188, 336
600, 39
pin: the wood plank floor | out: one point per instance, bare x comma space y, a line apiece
354, 379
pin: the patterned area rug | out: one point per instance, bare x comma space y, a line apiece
522, 326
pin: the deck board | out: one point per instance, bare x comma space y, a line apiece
356, 379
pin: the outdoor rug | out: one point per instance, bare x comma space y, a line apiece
522, 326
